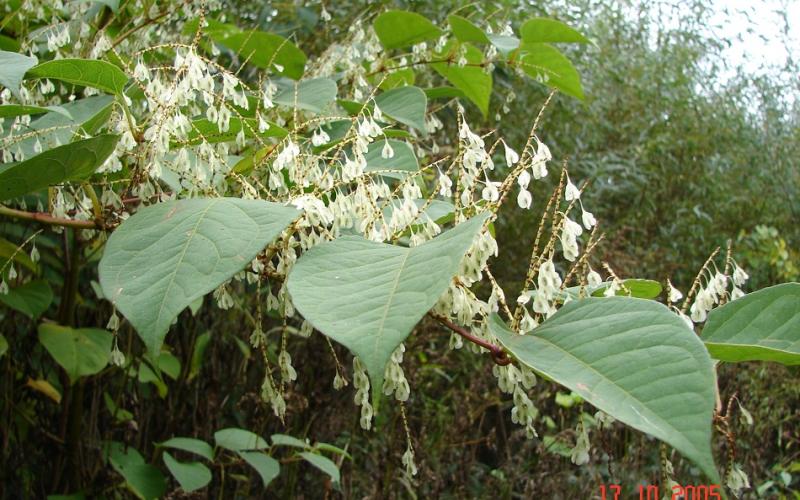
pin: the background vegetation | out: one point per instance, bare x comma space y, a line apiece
681, 158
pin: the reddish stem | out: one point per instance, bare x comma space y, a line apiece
499, 355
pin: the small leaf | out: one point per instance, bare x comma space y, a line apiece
444, 93
284, 440
13, 67
639, 288
32, 298
239, 440
404, 159
407, 105
761, 326
472, 80
12, 110
9, 250
543, 30
44, 387
324, 464
631, 358
200, 346
540, 60
145, 480
369, 296
3, 345
464, 30
81, 351
192, 445
101, 75
266, 466
74, 161
265, 50
167, 255
504, 43
396, 78
398, 28
313, 95
190, 475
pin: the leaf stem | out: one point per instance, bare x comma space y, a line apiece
499, 355
46, 218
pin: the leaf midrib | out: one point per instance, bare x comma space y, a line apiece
388, 305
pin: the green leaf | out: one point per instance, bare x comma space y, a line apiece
192, 445
167, 255
396, 78
404, 159
9, 250
369, 296
438, 211
472, 80
101, 75
13, 67
504, 43
324, 464
74, 161
12, 110
631, 358
398, 28
239, 440
266, 466
200, 346
285, 440
265, 50
407, 105
761, 326
639, 288
543, 30
543, 61
205, 130
144, 480
444, 93
464, 30
3, 345
190, 475
79, 351
314, 95
32, 298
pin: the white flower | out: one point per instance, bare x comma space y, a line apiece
490, 192
524, 179
571, 192
588, 219
736, 293
511, 156
524, 199
324, 15
445, 185
387, 151
593, 278
320, 137
674, 294
739, 276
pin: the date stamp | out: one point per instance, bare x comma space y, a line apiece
652, 492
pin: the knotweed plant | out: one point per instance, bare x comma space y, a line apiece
351, 193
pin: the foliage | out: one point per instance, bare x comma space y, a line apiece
155, 154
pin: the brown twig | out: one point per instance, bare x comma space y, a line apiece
48, 219
499, 355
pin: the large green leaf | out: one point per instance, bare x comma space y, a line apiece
265, 50
12, 69
101, 75
80, 351
761, 326
239, 440
368, 296
540, 29
190, 475
399, 28
540, 60
169, 254
60, 126
631, 358
74, 161
407, 105
472, 80
322, 463
464, 30
404, 159
313, 95
143, 479
12, 110
32, 298
266, 466
196, 446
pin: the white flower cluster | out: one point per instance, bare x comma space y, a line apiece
394, 379
361, 383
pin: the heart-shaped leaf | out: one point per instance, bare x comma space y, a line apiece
464, 30
190, 475
32, 298
74, 161
471, 79
266, 50
196, 446
322, 463
368, 296
313, 95
167, 255
399, 28
12, 110
234, 439
145, 480
761, 326
403, 159
80, 351
541, 29
631, 358
540, 60
101, 75
266, 466
12, 69
407, 105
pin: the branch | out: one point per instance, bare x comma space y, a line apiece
499, 355
46, 218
